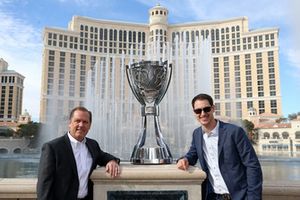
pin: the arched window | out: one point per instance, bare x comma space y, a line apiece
276, 135
115, 35
187, 36
192, 36
266, 135
206, 33
212, 32
285, 135
3, 151
17, 150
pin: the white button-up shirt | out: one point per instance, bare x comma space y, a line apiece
210, 148
83, 162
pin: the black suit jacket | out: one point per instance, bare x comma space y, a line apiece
57, 176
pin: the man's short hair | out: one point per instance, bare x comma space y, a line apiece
203, 97
81, 108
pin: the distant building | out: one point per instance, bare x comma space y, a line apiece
11, 93
24, 118
279, 138
245, 63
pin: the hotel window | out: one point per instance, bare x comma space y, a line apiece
82, 75
249, 104
130, 36
61, 74
228, 109
261, 107
217, 109
216, 77
237, 76
239, 109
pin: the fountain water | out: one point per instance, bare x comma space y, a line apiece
116, 113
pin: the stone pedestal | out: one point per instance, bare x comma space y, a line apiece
148, 182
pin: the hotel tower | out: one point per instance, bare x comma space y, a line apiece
243, 64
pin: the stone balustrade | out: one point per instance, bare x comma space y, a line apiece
25, 189
17, 189
144, 182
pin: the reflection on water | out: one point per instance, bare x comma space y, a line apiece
274, 168
280, 168
19, 167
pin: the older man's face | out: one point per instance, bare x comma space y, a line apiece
80, 124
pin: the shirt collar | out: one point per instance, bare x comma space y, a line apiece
215, 131
74, 141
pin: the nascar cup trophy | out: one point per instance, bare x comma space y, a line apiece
149, 81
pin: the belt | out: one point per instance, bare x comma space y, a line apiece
223, 196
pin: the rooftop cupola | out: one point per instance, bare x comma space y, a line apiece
158, 15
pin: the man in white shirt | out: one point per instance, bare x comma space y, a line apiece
225, 154
67, 162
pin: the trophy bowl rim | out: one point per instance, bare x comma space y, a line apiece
152, 62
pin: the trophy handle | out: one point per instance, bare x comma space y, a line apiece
131, 87
169, 74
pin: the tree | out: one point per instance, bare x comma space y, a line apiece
292, 116
248, 125
31, 131
6, 132
281, 119
250, 130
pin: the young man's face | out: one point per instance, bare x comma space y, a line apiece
80, 124
204, 112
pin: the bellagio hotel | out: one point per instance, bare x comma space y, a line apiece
244, 63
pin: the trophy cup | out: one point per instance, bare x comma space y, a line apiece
149, 81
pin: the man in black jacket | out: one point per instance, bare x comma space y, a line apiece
67, 162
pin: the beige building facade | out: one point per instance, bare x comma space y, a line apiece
244, 63
11, 84
279, 138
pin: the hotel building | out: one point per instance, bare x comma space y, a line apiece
243, 68
245, 63
11, 84
279, 138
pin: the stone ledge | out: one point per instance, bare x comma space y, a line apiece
151, 173
17, 188
140, 181
281, 190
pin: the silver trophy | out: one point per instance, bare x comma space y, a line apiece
149, 81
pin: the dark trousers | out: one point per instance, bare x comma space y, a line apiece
214, 196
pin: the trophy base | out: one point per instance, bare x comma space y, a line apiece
150, 156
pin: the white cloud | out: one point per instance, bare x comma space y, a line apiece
20, 46
291, 47
84, 3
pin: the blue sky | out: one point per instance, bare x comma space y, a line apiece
22, 23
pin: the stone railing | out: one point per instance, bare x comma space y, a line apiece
19, 189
